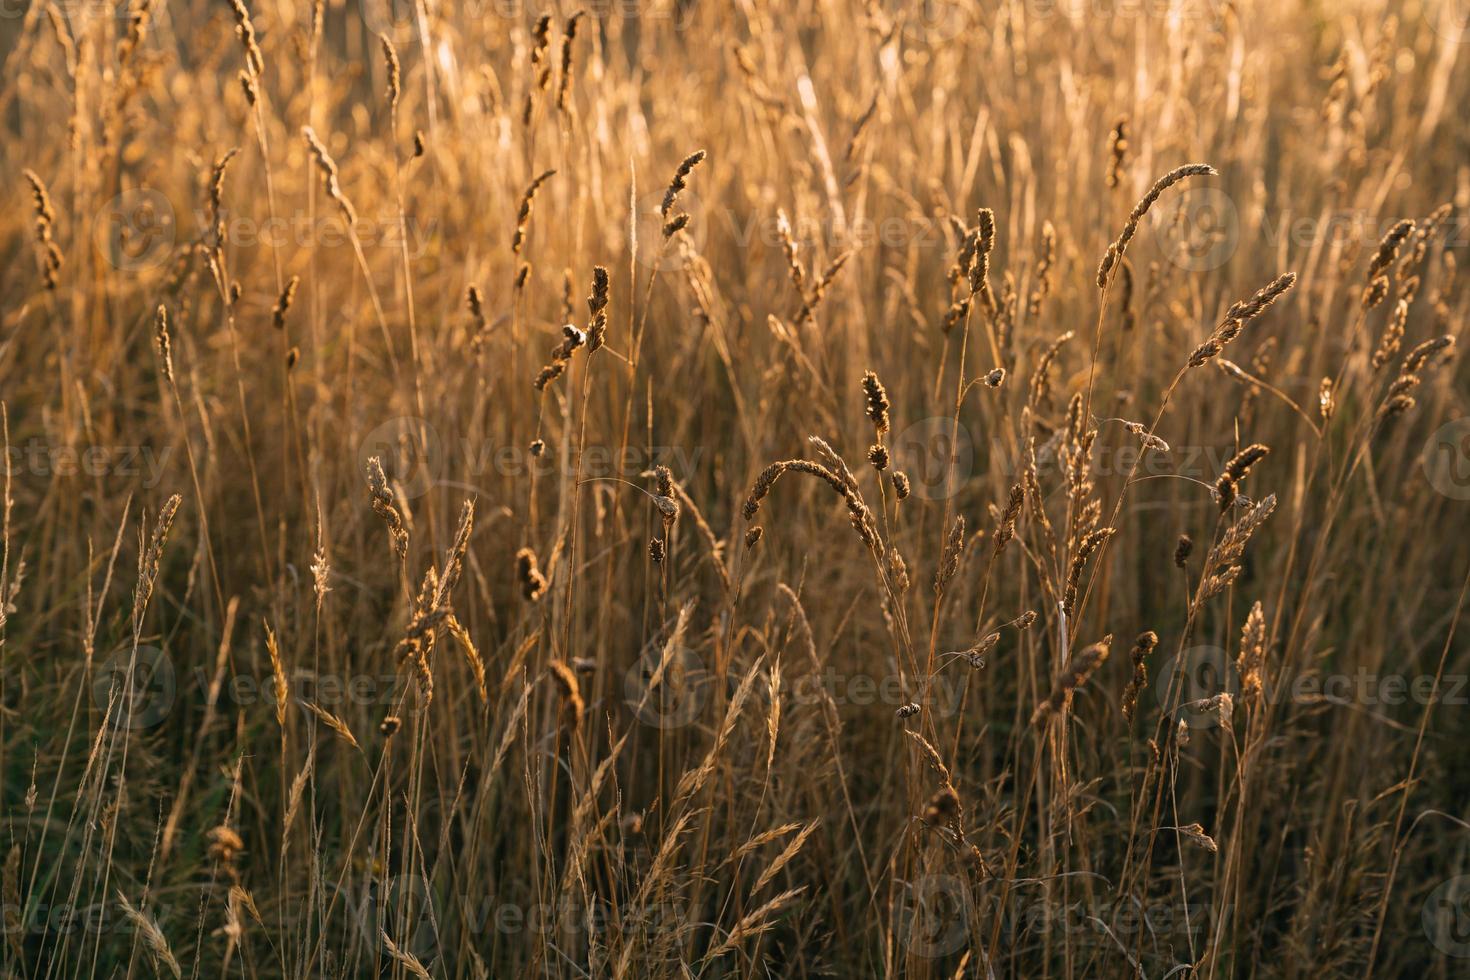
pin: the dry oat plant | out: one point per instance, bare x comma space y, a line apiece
693, 489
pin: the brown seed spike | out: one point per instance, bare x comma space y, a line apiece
877, 402
533, 583
1117, 249
680, 182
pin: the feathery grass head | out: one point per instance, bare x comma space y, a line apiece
876, 397
1119, 247
675, 223
393, 68
385, 505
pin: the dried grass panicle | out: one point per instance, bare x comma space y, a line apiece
164, 344
523, 213
1400, 398
1388, 252
901, 486
1236, 470
768, 477
284, 301
1392, 337
667, 497
1249, 665
1222, 564
1239, 314
1006, 529
573, 707
675, 223
568, 75
597, 310
561, 355
528, 574
151, 556
1119, 247
680, 182
1088, 547
217, 195
393, 69
1182, 550
279, 685
1417, 358
1195, 834
1081, 667
225, 846
51, 259
1046, 256
980, 264
877, 404
1326, 400
454, 555
1040, 385
1142, 647
1117, 151
949, 558
330, 176
154, 941
841, 481
245, 31
1246, 310
385, 505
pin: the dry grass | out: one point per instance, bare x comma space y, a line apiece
475, 633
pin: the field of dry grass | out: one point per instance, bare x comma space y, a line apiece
666, 488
